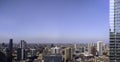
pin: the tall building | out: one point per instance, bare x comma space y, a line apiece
21, 50
32, 52
100, 47
75, 46
114, 30
11, 44
10, 50
67, 54
22, 46
18, 54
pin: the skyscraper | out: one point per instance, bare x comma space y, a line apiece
10, 45
10, 50
21, 51
100, 47
22, 46
19, 54
114, 30
67, 54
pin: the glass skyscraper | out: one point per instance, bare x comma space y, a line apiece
114, 30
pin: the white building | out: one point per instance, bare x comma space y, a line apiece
100, 47
22, 46
55, 50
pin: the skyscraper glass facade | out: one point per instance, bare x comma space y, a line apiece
114, 30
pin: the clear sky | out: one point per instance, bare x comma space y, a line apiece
54, 20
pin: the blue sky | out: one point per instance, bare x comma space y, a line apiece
54, 20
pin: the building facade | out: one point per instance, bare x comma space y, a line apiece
21, 53
100, 47
10, 48
114, 30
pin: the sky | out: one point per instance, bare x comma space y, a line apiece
54, 21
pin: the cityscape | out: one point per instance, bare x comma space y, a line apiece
25, 52
60, 31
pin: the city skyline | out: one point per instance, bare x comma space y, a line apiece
76, 21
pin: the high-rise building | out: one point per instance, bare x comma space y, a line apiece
114, 30
100, 47
21, 50
22, 46
32, 52
67, 54
18, 54
10, 50
11, 44
75, 46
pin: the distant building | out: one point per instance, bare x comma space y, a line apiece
90, 45
93, 51
40, 57
33, 52
75, 46
10, 50
46, 51
21, 55
11, 45
67, 54
100, 47
22, 46
53, 58
82, 49
55, 50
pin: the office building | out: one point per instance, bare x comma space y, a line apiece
10, 50
22, 46
21, 55
11, 45
114, 30
67, 54
32, 52
18, 54
100, 47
